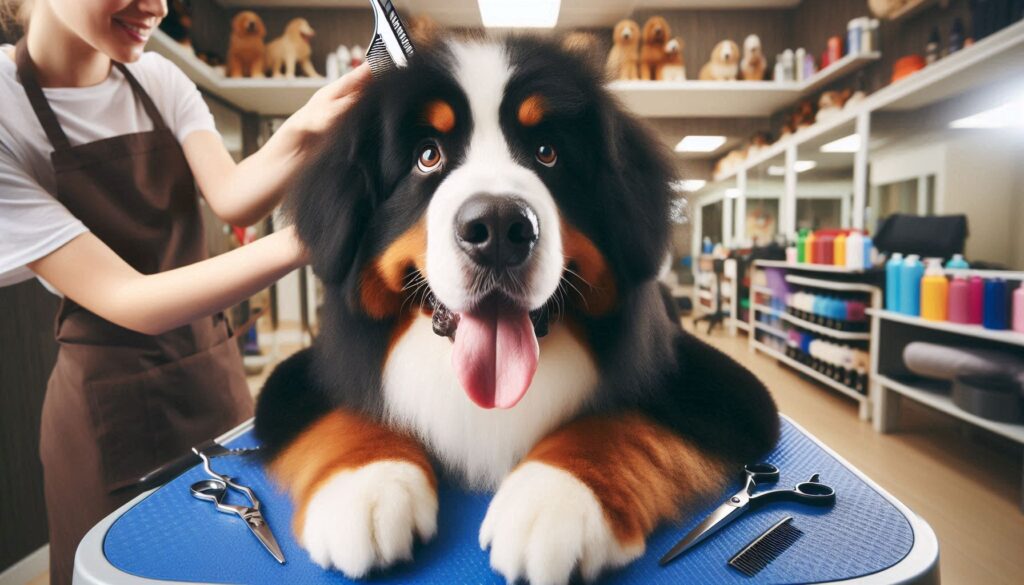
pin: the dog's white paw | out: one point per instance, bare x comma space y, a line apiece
367, 517
543, 523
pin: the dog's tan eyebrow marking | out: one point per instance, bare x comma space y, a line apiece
440, 115
532, 110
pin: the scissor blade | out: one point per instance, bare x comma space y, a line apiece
723, 515
259, 527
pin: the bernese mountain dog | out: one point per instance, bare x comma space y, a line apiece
488, 224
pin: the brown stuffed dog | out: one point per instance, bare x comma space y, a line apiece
246, 52
624, 58
652, 50
290, 49
724, 64
674, 68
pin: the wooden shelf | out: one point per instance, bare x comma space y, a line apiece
826, 331
977, 331
843, 388
269, 97
739, 99
944, 403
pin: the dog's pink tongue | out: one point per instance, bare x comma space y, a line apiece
495, 354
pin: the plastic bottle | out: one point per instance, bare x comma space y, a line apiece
839, 250
934, 292
995, 304
855, 251
975, 300
892, 282
823, 248
809, 248
867, 261
957, 262
801, 241
1018, 308
956, 310
910, 285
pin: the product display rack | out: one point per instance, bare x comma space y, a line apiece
873, 296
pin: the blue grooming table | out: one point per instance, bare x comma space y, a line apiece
166, 536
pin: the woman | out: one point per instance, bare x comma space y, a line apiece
98, 162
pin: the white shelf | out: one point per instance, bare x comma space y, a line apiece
830, 285
843, 388
270, 97
741, 324
827, 331
767, 309
1011, 337
761, 289
770, 330
716, 99
945, 404
808, 267
998, 57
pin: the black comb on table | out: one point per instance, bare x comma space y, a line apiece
766, 548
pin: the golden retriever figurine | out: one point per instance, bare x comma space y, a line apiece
674, 68
724, 64
753, 64
246, 53
624, 58
652, 51
290, 49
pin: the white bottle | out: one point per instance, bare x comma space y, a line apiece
855, 251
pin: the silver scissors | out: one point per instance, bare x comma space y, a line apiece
214, 490
810, 492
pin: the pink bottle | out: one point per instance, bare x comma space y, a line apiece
1018, 308
957, 311
975, 300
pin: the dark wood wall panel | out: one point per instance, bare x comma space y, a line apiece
27, 354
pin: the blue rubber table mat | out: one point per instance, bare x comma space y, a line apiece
172, 536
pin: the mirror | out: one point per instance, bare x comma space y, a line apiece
765, 189
825, 181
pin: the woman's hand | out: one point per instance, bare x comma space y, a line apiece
325, 108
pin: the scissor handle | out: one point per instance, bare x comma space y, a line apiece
227, 480
762, 472
810, 492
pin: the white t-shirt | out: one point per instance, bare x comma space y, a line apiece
32, 222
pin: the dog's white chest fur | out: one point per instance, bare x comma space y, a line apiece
423, 396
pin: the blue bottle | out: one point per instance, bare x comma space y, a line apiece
892, 282
910, 285
995, 315
868, 245
957, 262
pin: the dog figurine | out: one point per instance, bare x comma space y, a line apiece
724, 64
652, 50
624, 58
674, 68
291, 49
831, 103
753, 64
492, 319
246, 52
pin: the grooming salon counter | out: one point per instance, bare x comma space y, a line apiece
167, 536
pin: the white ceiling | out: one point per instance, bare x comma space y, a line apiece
574, 13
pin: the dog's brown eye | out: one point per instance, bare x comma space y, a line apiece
430, 158
546, 155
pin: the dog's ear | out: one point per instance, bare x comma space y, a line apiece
336, 195
635, 179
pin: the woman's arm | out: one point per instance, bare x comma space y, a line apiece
243, 193
87, 271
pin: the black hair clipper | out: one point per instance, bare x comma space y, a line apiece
391, 46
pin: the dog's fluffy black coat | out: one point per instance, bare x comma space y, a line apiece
611, 183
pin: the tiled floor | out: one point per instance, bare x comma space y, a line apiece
966, 485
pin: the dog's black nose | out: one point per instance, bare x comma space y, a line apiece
496, 231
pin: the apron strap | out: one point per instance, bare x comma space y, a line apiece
147, 102
30, 81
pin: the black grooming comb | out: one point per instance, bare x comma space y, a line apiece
391, 46
766, 548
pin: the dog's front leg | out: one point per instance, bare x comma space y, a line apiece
362, 492
588, 495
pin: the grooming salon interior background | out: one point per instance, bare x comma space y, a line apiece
848, 223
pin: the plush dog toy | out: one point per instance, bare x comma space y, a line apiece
831, 103
753, 64
652, 50
674, 68
246, 52
624, 58
292, 48
724, 64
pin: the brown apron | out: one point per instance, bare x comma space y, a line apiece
118, 402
